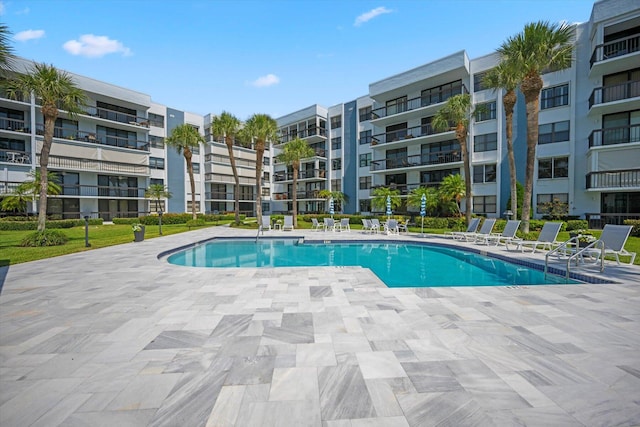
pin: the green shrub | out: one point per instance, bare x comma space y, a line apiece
51, 224
44, 238
577, 224
196, 223
635, 231
531, 235
456, 223
433, 222
20, 218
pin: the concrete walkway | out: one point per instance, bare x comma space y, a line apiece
118, 337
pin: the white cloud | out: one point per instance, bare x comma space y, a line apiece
2, 9
24, 11
265, 81
93, 46
367, 16
27, 35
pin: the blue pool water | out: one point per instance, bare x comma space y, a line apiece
396, 264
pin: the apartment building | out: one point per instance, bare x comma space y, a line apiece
588, 152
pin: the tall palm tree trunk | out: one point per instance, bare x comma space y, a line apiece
531, 86
296, 166
461, 135
188, 156
50, 113
509, 101
236, 187
259, 156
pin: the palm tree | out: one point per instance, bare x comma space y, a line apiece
183, 138
7, 56
292, 152
456, 115
453, 188
157, 192
540, 47
55, 91
380, 194
338, 197
30, 190
227, 126
260, 129
507, 77
414, 199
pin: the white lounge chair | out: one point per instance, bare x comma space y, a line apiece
546, 238
315, 225
391, 227
507, 235
366, 225
485, 230
329, 224
471, 228
288, 223
614, 238
344, 225
266, 222
375, 225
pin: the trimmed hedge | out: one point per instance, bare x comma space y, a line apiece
44, 238
174, 218
196, 223
14, 225
577, 224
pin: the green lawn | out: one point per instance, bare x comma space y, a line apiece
108, 235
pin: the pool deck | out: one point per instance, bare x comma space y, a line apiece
118, 337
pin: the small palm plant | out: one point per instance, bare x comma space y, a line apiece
157, 192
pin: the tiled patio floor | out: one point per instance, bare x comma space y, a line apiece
116, 337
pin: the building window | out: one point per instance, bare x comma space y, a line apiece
484, 173
365, 160
553, 132
557, 167
266, 207
336, 185
365, 182
396, 106
266, 161
486, 111
156, 162
365, 137
265, 176
156, 181
156, 120
266, 192
365, 114
365, 205
478, 81
336, 122
156, 141
554, 96
336, 143
435, 177
484, 204
196, 167
487, 142
544, 200
189, 206
336, 164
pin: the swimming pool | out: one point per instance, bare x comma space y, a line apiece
396, 264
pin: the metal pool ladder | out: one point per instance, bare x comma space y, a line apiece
260, 230
570, 247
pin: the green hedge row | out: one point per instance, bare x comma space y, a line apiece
171, 218
13, 225
635, 231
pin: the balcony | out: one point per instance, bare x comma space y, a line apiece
303, 174
615, 49
215, 158
220, 140
628, 178
435, 158
16, 157
117, 116
217, 195
614, 56
405, 134
414, 104
300, 195
73, 163
228, 179
404, 189
14, 125
313, 135
614, 136
102, 191
8, 187
601, 98
112, 141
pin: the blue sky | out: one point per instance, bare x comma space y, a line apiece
271, 57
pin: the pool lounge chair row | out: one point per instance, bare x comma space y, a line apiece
329, 224
286, 225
